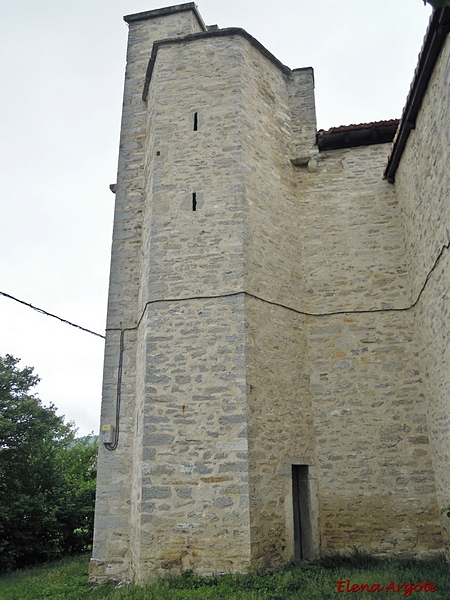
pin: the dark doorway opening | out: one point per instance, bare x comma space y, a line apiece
302, 516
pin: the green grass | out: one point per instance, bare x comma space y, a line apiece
67, 580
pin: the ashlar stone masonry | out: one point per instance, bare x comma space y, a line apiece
276, 379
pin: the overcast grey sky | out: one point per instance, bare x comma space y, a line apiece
62, 67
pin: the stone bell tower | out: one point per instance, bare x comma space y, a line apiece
200, 477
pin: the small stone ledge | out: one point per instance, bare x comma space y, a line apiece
307, 160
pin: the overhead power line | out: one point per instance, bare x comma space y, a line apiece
301, 312
44, 312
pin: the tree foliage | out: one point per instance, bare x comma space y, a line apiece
437, 3
47, 476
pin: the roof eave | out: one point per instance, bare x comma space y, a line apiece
435, 37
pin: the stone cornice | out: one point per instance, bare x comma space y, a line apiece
162, 12
215, 33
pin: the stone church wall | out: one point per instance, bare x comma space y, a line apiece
280, 429
263, 287
422, 185
111, 549
375, 477
194, 485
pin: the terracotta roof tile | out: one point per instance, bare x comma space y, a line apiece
359, 126
363, 134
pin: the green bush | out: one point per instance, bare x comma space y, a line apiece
47, 476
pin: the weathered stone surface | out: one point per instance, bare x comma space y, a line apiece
261, 285
422, 184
